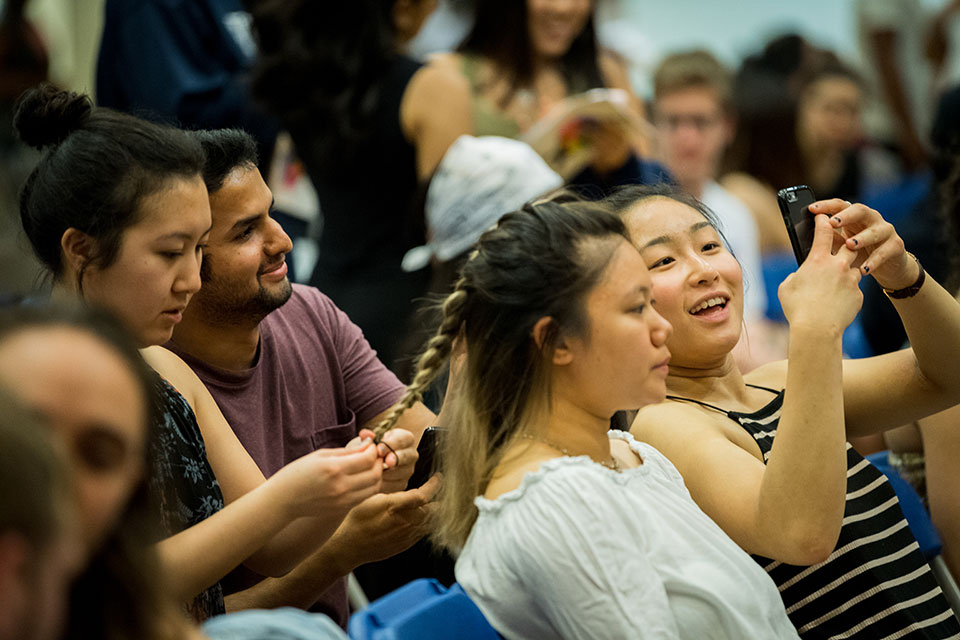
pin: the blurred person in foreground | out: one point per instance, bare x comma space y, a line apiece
80, 370
40, 547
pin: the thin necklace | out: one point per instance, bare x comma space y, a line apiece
613, 464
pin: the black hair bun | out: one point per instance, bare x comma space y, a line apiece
46, 115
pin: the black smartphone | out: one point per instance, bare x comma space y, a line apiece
794, 207
426, 449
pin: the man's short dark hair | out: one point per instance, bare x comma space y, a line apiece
226, 150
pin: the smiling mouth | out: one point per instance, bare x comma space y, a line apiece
711, 305
272, 268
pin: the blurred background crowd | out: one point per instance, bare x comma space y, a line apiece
842, 96
392, 133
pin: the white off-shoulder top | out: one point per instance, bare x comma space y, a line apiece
581, 551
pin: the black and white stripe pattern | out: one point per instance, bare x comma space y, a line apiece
876, 584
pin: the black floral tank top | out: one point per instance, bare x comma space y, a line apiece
182, 483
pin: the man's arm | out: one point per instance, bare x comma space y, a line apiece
378, 528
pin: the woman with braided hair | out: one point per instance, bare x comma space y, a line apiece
564, 529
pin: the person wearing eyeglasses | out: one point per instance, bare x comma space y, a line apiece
693, 114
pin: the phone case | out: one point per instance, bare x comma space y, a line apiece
791, 200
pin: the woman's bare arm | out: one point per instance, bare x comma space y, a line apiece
270, 525
434, 112
886, 391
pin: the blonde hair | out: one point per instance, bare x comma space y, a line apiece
691, 69
538, 262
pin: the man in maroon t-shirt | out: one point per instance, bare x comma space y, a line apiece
291, 374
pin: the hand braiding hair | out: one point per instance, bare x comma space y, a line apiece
433, 358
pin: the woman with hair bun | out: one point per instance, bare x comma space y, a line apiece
117, 210
564, 528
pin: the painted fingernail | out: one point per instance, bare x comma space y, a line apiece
855, 242
866, 269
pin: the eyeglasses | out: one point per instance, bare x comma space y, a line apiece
699, 122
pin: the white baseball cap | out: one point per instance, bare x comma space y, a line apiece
478, 180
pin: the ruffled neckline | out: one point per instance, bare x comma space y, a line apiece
531, 478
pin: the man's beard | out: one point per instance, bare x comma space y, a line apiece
222, 304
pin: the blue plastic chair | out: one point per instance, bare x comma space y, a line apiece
422, 610
776, 267
921, 526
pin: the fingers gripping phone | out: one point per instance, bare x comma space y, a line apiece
426, 450
794, 207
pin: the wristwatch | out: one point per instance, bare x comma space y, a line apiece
908, 292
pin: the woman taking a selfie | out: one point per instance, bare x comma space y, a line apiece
565, 529
765, 454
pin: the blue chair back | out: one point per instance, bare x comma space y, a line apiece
422, 610
917, 517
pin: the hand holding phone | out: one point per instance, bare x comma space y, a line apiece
426, 450
794, 207
824, 293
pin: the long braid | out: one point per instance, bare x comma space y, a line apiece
434, 357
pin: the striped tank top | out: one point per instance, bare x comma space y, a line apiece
876, 585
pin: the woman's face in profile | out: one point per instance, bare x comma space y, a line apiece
553, 25
622, 361
157, 269
93, 401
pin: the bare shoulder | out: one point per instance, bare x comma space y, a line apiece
174, 370
160, 358
671, 422
434, 112
437, 81
686, 433
772, 375
450, 61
